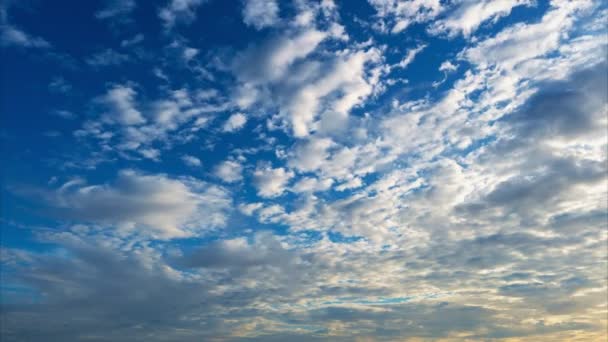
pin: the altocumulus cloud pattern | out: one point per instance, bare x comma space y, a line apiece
302, 170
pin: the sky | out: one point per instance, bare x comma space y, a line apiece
299, 170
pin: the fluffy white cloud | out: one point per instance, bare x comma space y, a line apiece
144, 204
235, 122
271, 182
270, 61
229, 171
311, 154
121, 101
260, 13
310, 184
348, 76
310, 92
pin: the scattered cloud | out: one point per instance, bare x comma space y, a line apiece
191, 161
399, 15
357, 174
179, 11
235, 122
120, 99
229, 171
12, 36
467, 16
271, 182
115, 9
260, 13
143, 204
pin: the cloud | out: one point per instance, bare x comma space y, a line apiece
60, 85
410, 56
150, 205
309, 92
150, 153
191, 161
107, 57
116, 8
120, 99
260, 13
138, 38
12, 36
310, 184
401, 14
311, 154
447, 66
467, 16
347, 78
264, 250
229, 171
179, 11
477, 195
269, 62
521, 42
235, 122
271, 182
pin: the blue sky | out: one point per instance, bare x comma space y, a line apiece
262, 170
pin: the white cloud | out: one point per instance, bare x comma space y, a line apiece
311, 154
150, 153
311, 184
235, 122
469, 15
400, 13
310, 92
150, 205
447, 66
116, 8
191, 161
410, 56
121, 100
350, 184
12, 36
176, 11
269, 61
229, 171
190, 53
525, 41
249, 208
348, 78
138, 38
260, 13
271, 182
